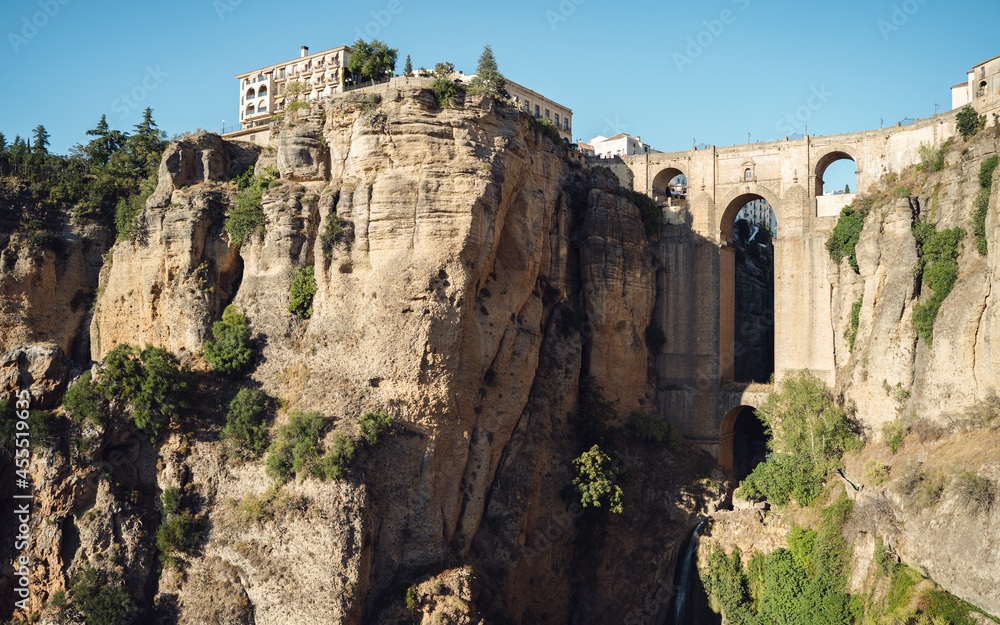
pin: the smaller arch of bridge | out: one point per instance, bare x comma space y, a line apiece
663, 177
828, 156
736, 199
742, 441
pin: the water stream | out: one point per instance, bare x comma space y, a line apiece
684, 583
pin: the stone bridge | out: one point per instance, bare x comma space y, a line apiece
697, 260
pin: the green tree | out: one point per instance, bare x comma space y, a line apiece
969, 122
3, 143
105, 143
231, 351
371, 61
373, 425
843, 240
408, 68
151, 382
99, 601
41, 144
302, 290
488, 77
847, 188
245, 421
594, 481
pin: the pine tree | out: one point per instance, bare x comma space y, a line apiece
488, 77
408, 68
41, 140
105, 143
847, 188
3, 143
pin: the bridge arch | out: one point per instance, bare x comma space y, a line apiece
742, 441
828, 157
747, 326
735, 200
662, 180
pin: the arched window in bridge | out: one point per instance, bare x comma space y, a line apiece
748, 175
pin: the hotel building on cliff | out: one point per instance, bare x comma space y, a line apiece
262, 91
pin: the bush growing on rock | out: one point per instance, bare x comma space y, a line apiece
245, 427
653, 427
231, 352
302, 291
150, 381
810, 435
84, 401
298, 450
99, 601
844, 238
974, 491
969, 122
177, 533
594, 481
374, 425
246, 217
937, 269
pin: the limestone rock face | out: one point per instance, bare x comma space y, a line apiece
168, 286
300, 154
40, 369
891, 371
204, 158
45, 296
477, 277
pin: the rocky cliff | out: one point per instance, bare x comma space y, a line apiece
479, 277
891, 372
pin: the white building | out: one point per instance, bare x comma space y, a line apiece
981, 88
620, 145
262, 91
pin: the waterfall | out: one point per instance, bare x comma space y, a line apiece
684, 584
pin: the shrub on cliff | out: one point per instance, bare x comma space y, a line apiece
649, 212
83, 401
151, 382
177, 533
810, 435
332, 234
374, 425
844, 238
245, 422
99, 601
653, 427
969, 122
298, 450
974, 491
595, 481
246, 217
982, 202
231, 352
937, 268
302, 290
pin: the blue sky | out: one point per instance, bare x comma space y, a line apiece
671, 72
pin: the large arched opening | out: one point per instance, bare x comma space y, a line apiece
836, 182
670, 186
742, 442
746, 298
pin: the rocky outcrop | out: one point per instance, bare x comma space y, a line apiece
478, 277
891, 372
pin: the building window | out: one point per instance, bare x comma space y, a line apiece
250, 94
748, 175
262, 93
565, 124
557, 120
546, 113
281, 73
536, 111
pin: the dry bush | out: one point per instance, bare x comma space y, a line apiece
974, 491
985, 413
921, 488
